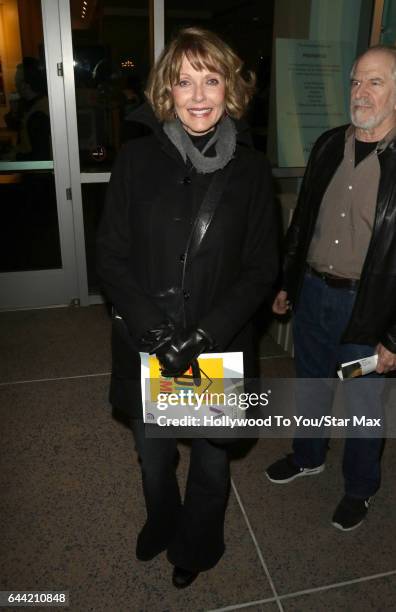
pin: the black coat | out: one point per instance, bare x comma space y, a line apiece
151, 203
373, 317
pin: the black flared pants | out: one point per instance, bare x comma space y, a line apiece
192, 531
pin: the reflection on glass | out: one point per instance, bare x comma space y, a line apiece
29, 234
247, 27
25, 133
93, 195
111, 63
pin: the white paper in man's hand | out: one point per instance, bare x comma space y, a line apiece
358, 367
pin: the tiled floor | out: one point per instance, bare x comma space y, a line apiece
71, 506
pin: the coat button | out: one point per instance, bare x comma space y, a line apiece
186, 295
182, 257
186, 180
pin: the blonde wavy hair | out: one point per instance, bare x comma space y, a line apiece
204, 50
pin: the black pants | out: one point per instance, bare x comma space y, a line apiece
192, 532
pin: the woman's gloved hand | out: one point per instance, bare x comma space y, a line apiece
177, 355
154, 338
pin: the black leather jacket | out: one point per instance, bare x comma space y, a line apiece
373, 317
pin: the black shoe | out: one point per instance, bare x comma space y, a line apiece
350, 513
285, 470
182, 578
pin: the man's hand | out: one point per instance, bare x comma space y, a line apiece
281, 304
386, 360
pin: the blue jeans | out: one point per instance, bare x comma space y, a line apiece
320, 319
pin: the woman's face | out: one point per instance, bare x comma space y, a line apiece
198, 97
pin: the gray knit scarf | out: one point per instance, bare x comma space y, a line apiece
223, 139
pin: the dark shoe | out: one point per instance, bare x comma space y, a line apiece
182, 578
285, 470
350, 513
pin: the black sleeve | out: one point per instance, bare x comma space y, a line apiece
114, 266
389, 339
293, 235
259, 265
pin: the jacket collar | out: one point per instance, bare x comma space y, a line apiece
389, 138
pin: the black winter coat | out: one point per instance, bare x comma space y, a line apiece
373, 317
152, 201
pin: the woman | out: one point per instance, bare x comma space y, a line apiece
186, 254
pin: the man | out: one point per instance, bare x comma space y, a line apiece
340, 274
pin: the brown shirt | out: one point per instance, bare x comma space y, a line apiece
346, 215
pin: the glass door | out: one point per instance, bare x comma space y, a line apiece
37, 247
108, 49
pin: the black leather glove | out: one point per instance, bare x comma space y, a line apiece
154, 338
177, 355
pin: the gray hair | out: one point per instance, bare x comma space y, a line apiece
388, 49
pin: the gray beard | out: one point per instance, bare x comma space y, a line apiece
369, 124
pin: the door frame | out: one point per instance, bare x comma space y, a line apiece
54, 287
